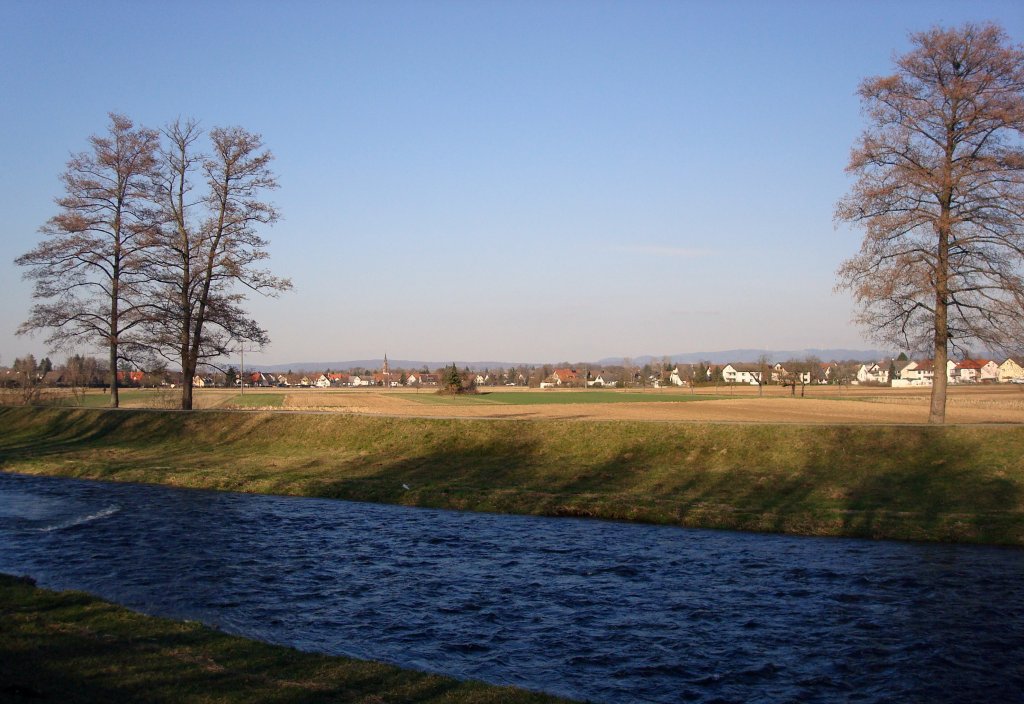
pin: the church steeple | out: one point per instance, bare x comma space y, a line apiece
385, 369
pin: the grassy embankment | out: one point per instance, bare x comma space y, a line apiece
73, 648
955, 483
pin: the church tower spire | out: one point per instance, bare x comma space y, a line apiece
385, 369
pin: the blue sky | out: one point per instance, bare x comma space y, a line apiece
515, 181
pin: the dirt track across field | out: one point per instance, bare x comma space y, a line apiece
1003, 404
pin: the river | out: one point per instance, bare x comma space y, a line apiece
603, 611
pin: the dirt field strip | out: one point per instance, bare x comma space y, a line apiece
822, 405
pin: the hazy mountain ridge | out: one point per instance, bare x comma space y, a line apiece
719, 357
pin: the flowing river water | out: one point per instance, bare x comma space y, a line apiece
603, 611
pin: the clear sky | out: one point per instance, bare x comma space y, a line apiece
485, 180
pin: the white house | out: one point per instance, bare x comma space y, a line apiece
972, 371
872, 374
922, 372
741, 374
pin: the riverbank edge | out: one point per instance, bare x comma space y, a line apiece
73, 647
950, 484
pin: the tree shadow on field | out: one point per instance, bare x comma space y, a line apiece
935, 483
435, 478
35, 433
40, 434
903, 483
518, 474
919, 483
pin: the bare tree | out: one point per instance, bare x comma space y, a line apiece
207, 253
940, 195
88, 270
81, 372
764, 372
28, 379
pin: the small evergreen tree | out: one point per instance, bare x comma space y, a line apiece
451, 381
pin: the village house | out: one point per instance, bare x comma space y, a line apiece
564, 377
873, 373
1011, 369
922, 373
422, 379
976, 371
741, 374
338, 379
132, 378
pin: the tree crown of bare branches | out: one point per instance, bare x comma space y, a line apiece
87, 269
940, 192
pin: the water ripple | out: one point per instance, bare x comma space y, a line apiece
608, 612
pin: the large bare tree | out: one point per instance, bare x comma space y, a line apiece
939, 193
88, 269
206, 255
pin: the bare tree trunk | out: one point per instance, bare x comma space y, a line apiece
115, 398
188, 362
937, 411
186, 393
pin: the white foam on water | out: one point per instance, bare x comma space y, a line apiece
79, 520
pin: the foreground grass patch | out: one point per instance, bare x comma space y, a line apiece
72, 648
908, 482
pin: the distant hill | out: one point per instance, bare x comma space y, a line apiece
752, 355
719, 357
376, 364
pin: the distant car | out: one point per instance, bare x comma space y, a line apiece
1017, 380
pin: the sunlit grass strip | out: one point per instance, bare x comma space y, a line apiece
255, 400
73, 648
956, 483
541, 398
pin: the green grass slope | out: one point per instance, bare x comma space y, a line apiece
907, 482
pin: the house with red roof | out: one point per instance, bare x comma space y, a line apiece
975, 371
565, 377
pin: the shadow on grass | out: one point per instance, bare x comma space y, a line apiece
925, 484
